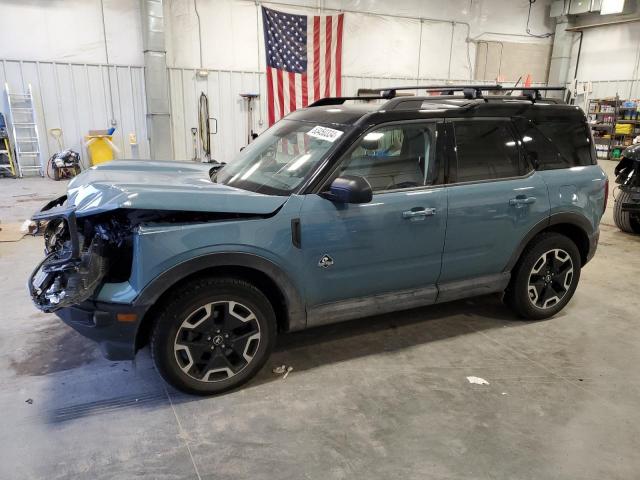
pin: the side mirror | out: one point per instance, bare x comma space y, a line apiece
349, 189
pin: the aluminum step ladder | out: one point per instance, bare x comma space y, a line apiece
22, 119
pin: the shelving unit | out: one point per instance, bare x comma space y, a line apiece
604, 115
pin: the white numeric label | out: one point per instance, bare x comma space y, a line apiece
325, 133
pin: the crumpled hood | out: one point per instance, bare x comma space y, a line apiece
183, 186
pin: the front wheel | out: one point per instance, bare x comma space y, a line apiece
545, 277
213, 335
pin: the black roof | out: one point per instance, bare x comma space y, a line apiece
336, 114
413, 107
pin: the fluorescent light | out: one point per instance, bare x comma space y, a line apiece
611, 6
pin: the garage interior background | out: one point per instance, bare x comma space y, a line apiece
98, 63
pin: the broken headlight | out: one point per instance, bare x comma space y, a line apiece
77, 258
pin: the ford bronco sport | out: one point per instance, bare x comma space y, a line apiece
338, 211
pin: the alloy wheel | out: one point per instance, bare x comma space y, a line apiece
217, 341
550, 278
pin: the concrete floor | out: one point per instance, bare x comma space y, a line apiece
384, 397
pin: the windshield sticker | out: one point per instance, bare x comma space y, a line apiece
325, 133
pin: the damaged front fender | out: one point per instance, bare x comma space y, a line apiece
84, 252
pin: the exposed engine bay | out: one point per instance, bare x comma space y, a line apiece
83, 253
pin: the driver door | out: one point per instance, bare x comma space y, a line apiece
385, 255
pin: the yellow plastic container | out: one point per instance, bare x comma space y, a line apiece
624, 128
100, 148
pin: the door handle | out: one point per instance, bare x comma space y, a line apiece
422, 212
522, 200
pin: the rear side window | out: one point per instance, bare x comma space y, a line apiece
486, 150
538, 147
557, 144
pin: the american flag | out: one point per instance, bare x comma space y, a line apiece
304, 59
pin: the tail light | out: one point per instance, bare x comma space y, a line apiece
606, 195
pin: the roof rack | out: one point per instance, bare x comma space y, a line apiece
534, 92
470, 92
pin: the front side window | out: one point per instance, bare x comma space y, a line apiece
486, 150
282, 158
394, 157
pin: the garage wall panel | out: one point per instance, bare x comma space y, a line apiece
75, 98
226, 106
72, 31
512, 60
382, 38
610, 88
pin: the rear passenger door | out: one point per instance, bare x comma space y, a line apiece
494, 198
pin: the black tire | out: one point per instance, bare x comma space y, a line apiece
535, 294
182, 314
625, 221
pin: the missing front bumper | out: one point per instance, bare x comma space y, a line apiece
54, 284
67, 275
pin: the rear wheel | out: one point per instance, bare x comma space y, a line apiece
625, 221
214, 334
545, 277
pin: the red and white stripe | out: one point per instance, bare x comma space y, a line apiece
287, 91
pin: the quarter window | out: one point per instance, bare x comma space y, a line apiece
573, 142
486, 150
395, 157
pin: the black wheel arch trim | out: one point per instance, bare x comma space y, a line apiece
570, 218
162, 283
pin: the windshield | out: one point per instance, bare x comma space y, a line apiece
279, 160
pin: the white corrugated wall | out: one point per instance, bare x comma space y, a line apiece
75, 97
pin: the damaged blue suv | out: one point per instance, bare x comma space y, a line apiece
344, 209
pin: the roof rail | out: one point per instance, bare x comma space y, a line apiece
533, 93
524, 97
469, 92
340, 100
